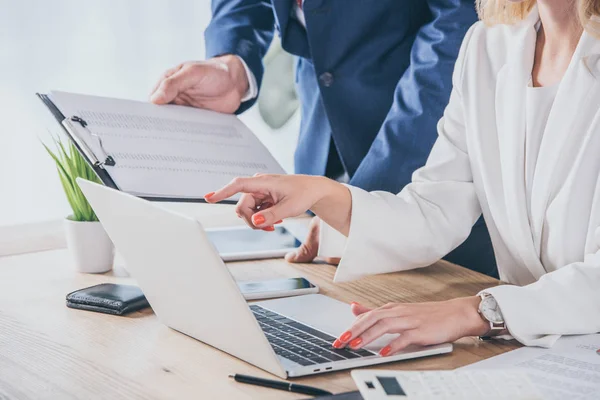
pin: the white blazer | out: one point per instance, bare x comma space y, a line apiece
477, 165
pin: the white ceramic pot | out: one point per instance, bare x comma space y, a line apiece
90, 247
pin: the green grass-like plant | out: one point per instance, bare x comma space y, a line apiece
71, 165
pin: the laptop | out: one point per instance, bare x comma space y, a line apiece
192, 291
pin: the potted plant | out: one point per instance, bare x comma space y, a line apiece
91, 248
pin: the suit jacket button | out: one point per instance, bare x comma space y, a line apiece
326, 79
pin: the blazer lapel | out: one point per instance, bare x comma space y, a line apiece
282, 9
510, 111
575, 105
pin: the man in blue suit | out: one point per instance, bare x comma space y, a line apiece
373, 77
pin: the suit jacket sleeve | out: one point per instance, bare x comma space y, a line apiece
244, 28
429, 218
409, 130
563, 302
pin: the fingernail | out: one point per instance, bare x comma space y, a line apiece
354, 303
209, 195
258, 219
337, 344
346, 336
385, 351
278, 222
269, 229
356, 342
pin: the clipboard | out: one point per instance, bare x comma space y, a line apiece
60, 118
86, 134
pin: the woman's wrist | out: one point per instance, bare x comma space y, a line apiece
334, 204
476, 324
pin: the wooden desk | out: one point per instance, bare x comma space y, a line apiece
48, 351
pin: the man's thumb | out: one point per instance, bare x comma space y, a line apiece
166, 91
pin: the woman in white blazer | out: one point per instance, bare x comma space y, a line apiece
518, 142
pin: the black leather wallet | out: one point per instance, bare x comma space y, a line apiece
108, 298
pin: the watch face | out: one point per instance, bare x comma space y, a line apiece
490, 310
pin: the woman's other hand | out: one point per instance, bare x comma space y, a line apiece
420, 324
268, 199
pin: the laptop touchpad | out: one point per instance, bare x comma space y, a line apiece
321, 312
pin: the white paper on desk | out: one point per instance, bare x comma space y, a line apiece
568, 370
169, 151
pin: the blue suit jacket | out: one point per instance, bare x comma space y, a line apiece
374, 75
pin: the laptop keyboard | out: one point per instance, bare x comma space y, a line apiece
300, 343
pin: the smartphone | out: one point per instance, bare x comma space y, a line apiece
243, 243
269, 289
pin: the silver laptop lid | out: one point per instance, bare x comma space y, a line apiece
181, 274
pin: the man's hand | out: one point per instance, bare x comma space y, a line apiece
217, 84
307, 252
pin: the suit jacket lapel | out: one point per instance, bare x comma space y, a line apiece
293, 35
510, 119
282, 9
576, 102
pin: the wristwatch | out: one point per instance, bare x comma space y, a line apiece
489, 311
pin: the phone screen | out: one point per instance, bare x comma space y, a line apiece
275, 285
246, 240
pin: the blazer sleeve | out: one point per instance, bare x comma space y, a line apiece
409, 130
563, 302
244, 28
429, 218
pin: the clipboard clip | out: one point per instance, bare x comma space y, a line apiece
108, 159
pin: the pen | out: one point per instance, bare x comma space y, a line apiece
287, 386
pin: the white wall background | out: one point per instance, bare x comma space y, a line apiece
105, 47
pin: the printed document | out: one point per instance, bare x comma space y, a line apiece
165, 151
568, 370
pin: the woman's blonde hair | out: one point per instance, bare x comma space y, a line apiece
506, 12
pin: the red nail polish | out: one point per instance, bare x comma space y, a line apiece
385, 351
337, 344
258, 219
269, 229
345, 336
356, 342
209, 195
278, 222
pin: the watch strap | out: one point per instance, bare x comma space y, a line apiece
495, 328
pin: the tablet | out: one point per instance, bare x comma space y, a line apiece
243, 243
